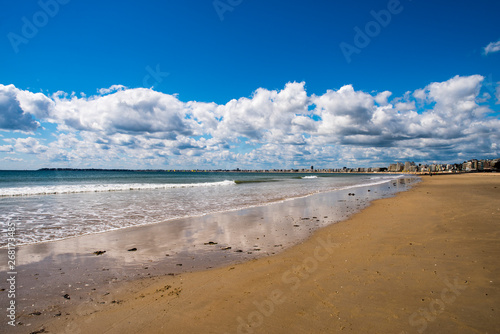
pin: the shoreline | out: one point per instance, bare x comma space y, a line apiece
48, 271
81, 208
370, 273
247, 207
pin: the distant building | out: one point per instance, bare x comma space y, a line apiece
470, 166
410, 167
397, 167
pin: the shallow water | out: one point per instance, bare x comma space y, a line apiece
52, 205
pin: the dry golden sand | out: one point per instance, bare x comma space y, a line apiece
426, 260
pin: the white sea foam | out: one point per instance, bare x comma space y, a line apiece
88, 188
310, 177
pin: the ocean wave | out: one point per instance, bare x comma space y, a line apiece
89, 188
255, 181
310, 177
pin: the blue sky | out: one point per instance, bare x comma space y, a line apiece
249, 84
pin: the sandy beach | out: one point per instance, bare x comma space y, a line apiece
425, 260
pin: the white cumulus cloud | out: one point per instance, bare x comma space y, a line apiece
15, 115
143, 128
29, 145
492, 47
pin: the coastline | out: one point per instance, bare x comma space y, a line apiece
192, 216
371, 273
84, 268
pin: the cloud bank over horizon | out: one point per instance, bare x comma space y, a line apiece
124, 127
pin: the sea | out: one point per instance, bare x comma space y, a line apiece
48, 205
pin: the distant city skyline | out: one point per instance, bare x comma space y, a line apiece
247, 84
472, 165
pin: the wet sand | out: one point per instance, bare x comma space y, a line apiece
423, 261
